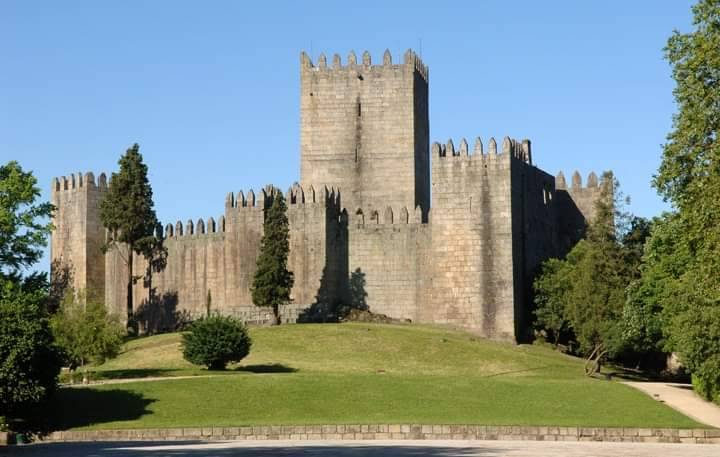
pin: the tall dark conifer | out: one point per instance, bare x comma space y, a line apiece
273, 281
128, 214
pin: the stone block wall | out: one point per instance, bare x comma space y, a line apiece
79, 235
364, 129
471, 248
389, 261
220, 257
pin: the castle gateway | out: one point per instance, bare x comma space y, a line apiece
448, 234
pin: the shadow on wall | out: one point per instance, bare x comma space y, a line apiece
328, 307
159, 314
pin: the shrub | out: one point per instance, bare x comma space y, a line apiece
29, 363
215, 341
86, 333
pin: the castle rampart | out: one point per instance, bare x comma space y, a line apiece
365, 230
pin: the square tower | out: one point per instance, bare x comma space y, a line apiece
364, 129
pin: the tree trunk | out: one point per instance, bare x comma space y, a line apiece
130, 318
276, 313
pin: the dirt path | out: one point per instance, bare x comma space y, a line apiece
146, 379
682, 398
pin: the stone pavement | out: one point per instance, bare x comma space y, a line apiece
682, 398
360, 448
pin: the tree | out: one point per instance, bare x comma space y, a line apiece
29, 363
273, 282
551, 288
215, 341
586, 291
689, 178
86, 333
23, 222
127, 213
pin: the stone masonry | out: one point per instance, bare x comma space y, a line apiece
369, 225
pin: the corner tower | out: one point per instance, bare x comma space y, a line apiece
78, 233
364, 129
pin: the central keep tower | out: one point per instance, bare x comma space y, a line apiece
364, 129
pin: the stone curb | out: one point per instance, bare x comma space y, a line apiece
397, 432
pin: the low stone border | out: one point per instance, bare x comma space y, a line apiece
398, 432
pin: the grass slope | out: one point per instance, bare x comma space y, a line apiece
359, 373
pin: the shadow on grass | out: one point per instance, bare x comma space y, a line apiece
630, 374
198, 449
135, 373
79, 407
267, 368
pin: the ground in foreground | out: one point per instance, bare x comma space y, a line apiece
359, 373
374, 449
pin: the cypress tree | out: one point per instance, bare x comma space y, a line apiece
273, 281
127, 213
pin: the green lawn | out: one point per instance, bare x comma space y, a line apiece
359, 373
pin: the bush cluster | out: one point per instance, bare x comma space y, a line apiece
215, 341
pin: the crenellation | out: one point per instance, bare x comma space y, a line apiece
492, 146
387, 216
464, 256
560, 181
576, 180
102, 181
592, 180
366, 59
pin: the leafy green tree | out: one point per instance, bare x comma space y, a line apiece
273, 281
689, 177
128, 214
215, 341
29, 362
23, 222
586, 291
551, 288
86, 333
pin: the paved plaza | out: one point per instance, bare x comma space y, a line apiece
360, 448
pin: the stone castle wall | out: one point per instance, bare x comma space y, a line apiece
364, 128
389, 260
373, 239
78, 234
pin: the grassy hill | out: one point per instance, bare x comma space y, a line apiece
358, 373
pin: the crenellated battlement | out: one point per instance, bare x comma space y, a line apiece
577, 182
81, 181
360, 218
410, 58
510, 148
199, 228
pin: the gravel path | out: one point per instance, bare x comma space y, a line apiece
682, 398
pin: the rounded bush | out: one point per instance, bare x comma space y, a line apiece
216, 341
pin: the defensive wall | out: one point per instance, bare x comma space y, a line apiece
380, 220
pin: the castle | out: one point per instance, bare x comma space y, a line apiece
444, 234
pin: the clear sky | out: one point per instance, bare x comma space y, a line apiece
210, 90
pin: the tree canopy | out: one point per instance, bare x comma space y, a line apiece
127, 212
681, 274
24, 224
273, 281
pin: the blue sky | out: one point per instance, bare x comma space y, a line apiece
210, 90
